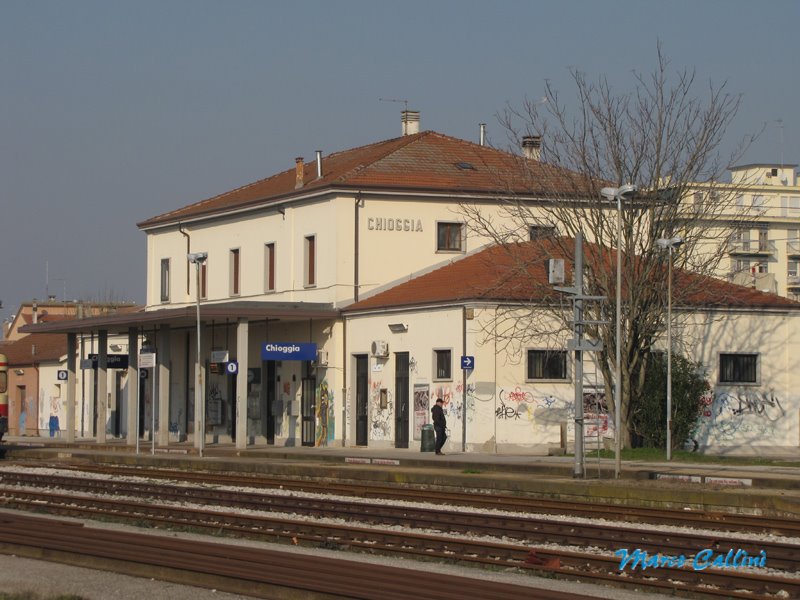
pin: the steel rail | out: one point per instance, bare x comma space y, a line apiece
784, 556
584, 566
732, 522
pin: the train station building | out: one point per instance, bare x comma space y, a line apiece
332, 303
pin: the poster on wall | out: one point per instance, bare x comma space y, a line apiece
422, 393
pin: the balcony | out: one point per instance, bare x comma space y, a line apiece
793, 282
793, 248
751, 248
761, 281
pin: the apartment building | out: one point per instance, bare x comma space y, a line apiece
763, 250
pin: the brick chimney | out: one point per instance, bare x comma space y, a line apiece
298, 180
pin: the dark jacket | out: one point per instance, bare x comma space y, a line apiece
438, 416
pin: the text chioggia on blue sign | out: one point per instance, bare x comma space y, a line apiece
288, 351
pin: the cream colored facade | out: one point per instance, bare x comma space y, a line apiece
283, 268
391, 236
506, 411
764, 249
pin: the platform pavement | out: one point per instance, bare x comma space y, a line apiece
768, 489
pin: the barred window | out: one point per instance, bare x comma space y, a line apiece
738, 368
443, 360
547, 364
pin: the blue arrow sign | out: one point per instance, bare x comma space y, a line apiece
468, 362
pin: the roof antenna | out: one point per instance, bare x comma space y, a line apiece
405, 102
780, 126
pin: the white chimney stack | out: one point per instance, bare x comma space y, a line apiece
532, 147
410, 121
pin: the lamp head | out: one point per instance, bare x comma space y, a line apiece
671, 243
621, 193
197, 257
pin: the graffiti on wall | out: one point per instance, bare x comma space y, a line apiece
738, 417
381, 415
524, 406
326, 420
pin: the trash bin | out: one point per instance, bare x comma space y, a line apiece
428, 443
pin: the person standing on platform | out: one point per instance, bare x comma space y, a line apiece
439, 425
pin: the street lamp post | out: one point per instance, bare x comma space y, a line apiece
198, 258
625, 192
671, 245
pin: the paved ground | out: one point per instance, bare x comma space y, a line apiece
18, 575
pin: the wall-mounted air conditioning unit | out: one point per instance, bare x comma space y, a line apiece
380, 349
555, 270
322, 359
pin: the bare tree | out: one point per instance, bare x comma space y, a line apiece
660, 137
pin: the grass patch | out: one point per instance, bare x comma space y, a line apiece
683, 456
471, 472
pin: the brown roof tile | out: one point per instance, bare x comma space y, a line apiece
426, 161
518, 273
35, 348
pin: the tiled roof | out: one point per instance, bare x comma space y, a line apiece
426, 161
519, 273
35, 348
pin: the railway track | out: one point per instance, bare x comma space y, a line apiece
528, 528
728, 522
447, 543
254, 572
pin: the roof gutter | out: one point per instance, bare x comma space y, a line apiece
276, 202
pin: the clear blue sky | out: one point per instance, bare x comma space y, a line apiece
114, 111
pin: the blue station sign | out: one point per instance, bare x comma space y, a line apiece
288, 351
113, 361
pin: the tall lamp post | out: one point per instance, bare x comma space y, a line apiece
619, 194
671, 244
198, 258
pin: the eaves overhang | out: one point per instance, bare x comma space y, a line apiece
278, 201
187, 316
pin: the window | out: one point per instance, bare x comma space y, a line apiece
738, 368
204, 280
740, 265
269, 267
763, 240
759, 204
235, 272
741, 240
449, 237
698, 201
311, 261
443, 364
547, 364
538, 232
791, 268
165, 280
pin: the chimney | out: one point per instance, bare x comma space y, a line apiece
35, 309
319, 164
410, 121
532, 147
482, 137
298, 180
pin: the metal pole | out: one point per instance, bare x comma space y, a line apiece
618, 374
153, 414
579, 469
464, 381
200, 400
669, 357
